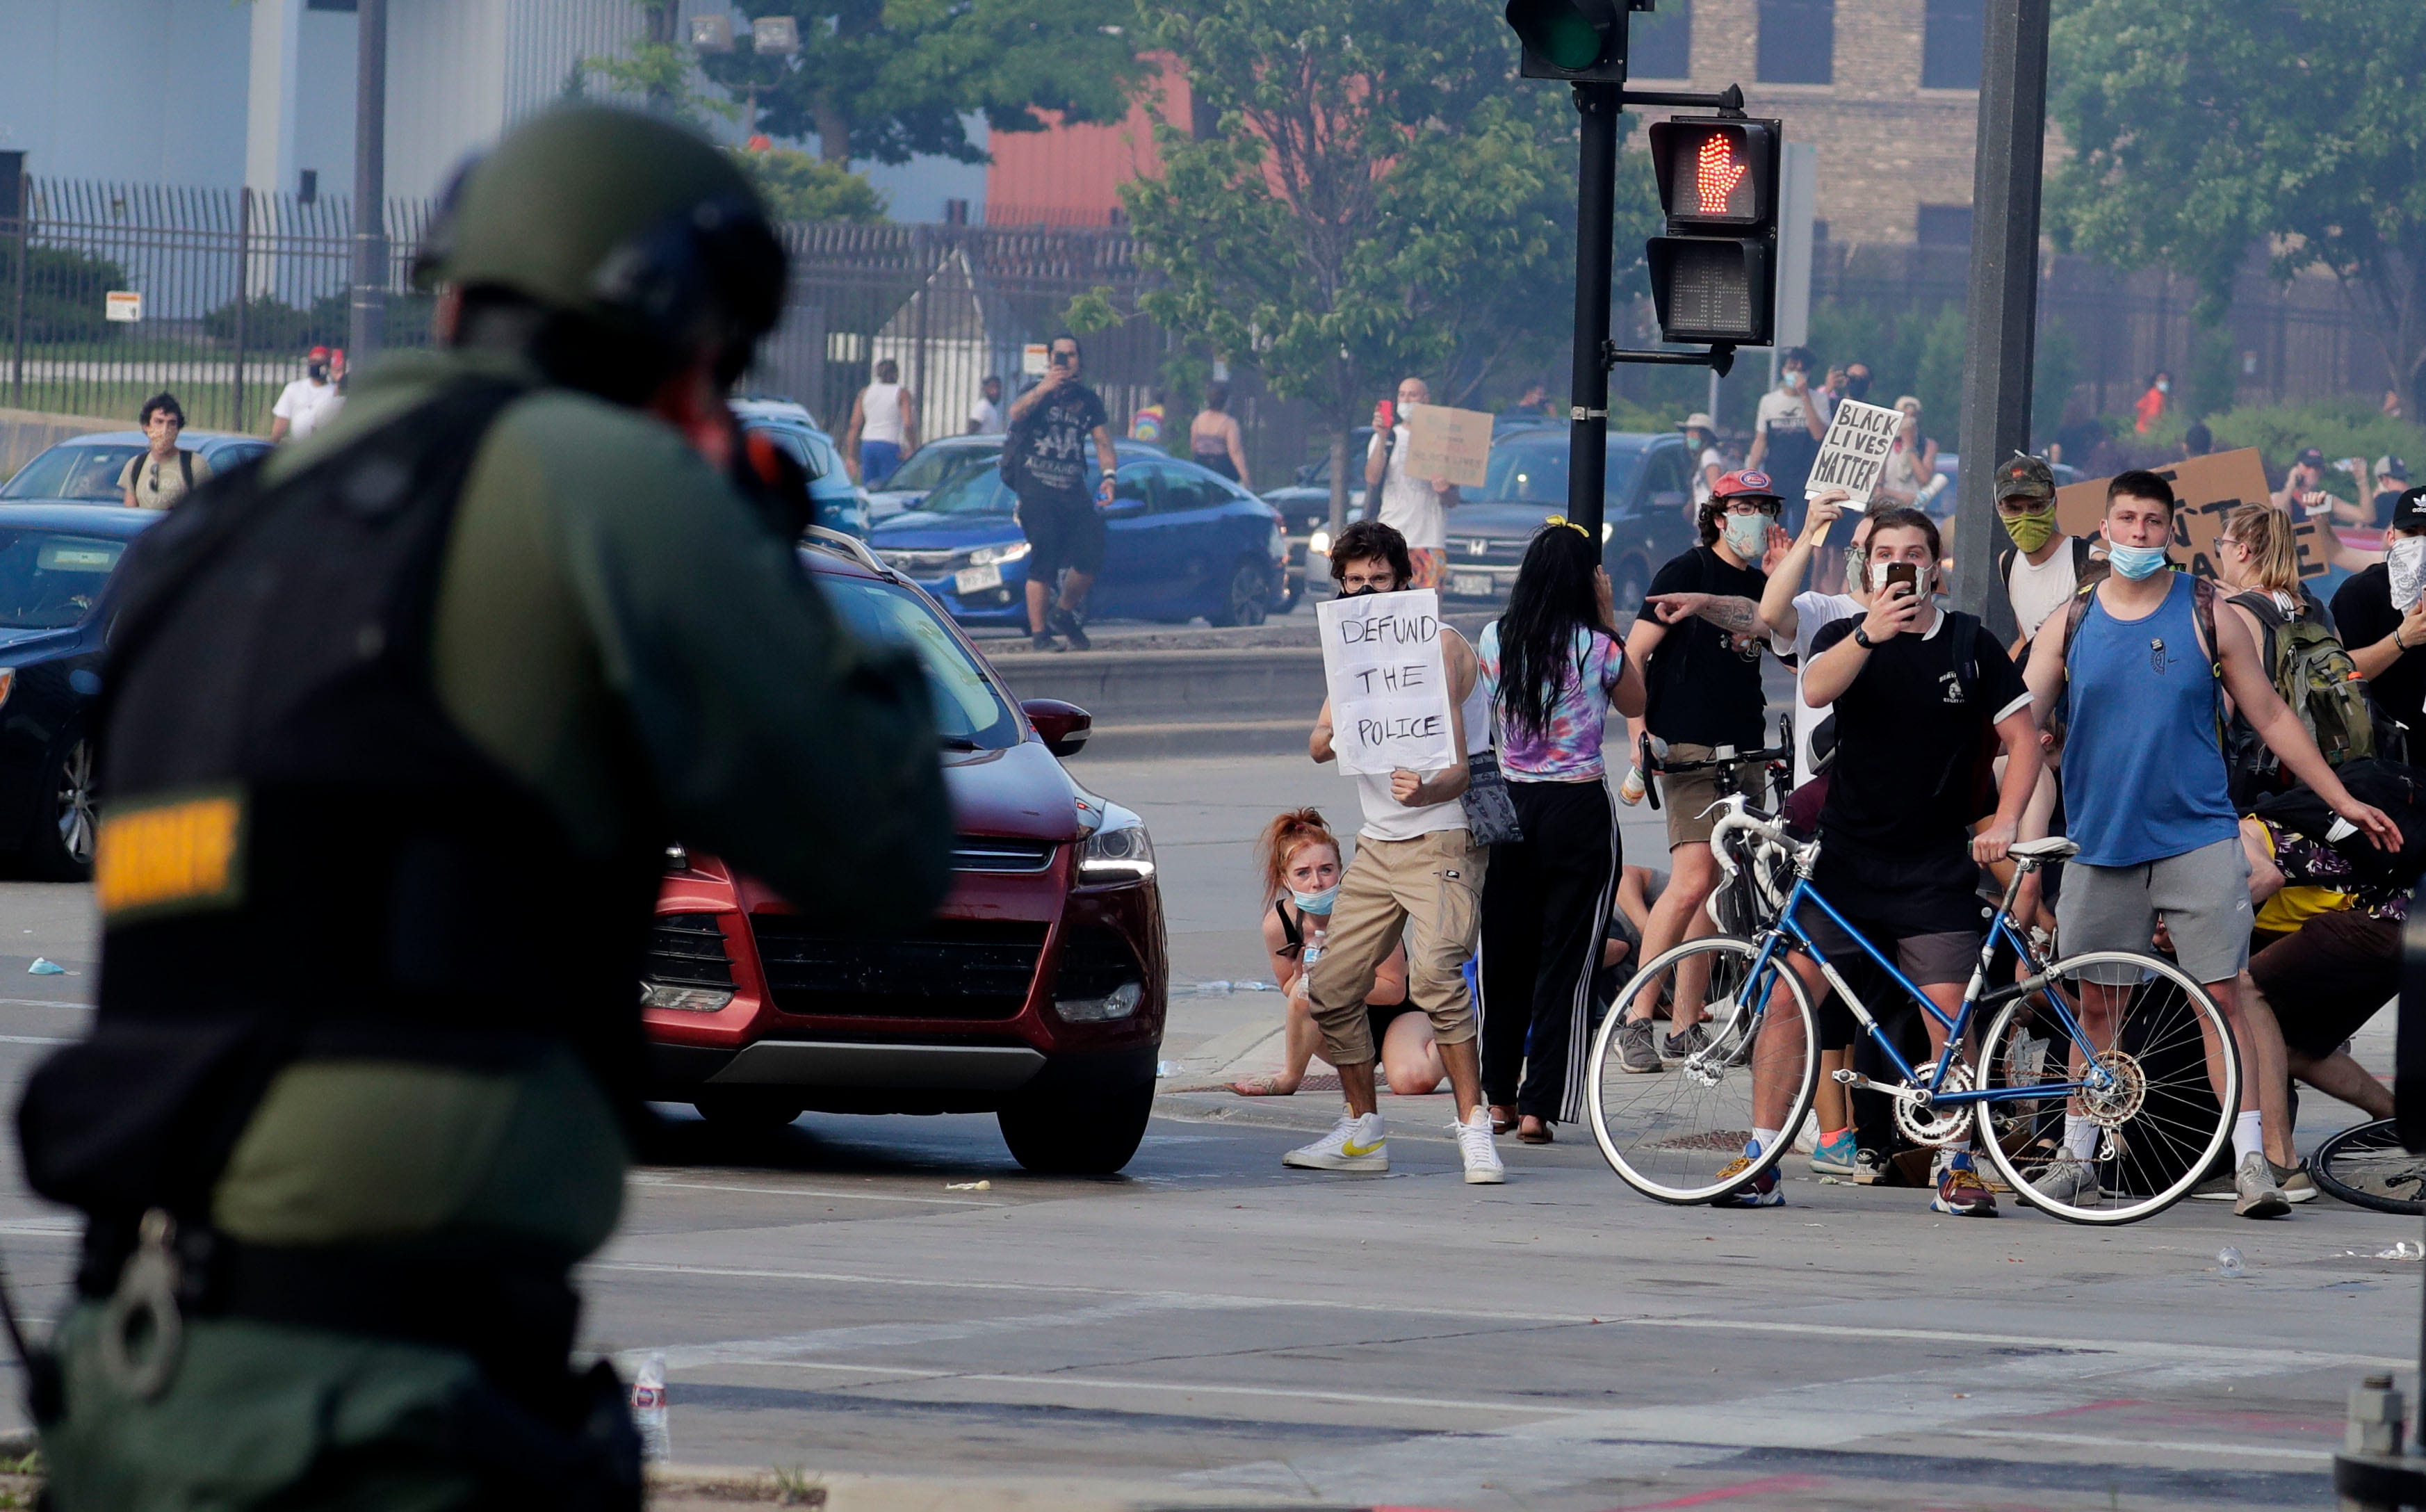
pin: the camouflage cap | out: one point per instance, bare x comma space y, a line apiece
2026, 478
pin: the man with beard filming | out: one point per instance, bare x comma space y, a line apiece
2381, 614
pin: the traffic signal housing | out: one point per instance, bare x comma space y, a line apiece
1583, 41
1714, 273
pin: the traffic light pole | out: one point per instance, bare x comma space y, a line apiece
1596, 234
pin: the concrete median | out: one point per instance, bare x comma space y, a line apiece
1259, 700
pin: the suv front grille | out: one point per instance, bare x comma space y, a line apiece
993, 852
950, 968
688, 948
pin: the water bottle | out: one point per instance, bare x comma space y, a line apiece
648, 1409
1629, 792
2227, 1263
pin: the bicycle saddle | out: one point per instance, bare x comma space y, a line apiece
2054, 847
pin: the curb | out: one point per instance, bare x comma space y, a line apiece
685, 1485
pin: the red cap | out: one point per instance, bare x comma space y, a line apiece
1746, 485
318, 354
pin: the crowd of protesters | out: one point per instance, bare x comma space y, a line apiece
2226, 754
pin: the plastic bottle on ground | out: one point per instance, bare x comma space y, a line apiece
648, 1409
2228, 1265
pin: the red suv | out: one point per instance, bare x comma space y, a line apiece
1035, 993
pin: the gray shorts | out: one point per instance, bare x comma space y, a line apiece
2202, 896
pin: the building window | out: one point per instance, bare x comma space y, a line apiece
1944, 225
1662, 43
1952, 35
1798, 42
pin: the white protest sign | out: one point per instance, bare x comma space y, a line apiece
1855, 454
1389, 686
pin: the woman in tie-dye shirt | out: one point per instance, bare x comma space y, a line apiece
1552, 668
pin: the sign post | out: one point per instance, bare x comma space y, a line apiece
1383, 664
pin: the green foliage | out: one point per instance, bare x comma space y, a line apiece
2214, 380
1938, 383
886, 79
273, 325
2340, 428
2202, 127
63, 293
660, 73
2055, 370
1382, 196
1092, 312
800, 187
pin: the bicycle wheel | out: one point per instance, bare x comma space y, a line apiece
2366, 1167
2160, 1123
1669, 1135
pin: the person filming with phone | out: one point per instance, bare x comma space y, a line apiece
1416, 508
1045, 462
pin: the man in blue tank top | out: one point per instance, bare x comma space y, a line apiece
2143, 665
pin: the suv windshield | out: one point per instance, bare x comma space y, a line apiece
80, 472
49, 580
1532, 469
968, 710
929, 466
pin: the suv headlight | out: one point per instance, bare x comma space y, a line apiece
1114, 1005
1008, 551
1120, 851
1318, 543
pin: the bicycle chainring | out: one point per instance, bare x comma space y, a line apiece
2121, 1103
1935, 1127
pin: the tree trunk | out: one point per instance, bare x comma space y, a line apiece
834, 130
1339, 479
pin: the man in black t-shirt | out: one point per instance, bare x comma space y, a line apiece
1046, 463
1922, 698
1704, 688
2386, 642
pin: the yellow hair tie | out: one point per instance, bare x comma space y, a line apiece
1561, 519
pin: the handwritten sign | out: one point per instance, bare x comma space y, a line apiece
1854, 455
1389, 684
1451, 444
2205, 490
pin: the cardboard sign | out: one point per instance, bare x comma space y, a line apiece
1382, 663
121, 304
2205, 489
1853, 454
1451, 444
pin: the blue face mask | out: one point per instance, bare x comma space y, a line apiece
2135, 563
1315, 902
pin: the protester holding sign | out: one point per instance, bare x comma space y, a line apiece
1417, 872
1416, 506
2382, 615
1854, 457
1552, 668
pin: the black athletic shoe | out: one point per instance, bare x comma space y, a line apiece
1043, 641
1067, 622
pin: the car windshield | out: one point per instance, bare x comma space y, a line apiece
1532, 469
929, 466
50, 579
977, 491
84, 472
968, 712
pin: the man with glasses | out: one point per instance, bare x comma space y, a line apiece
1045, 462
2044, 567
165, 472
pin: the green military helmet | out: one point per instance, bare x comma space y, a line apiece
616, 217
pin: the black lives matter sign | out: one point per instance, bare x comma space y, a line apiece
1854, 455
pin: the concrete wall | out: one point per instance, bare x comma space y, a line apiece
25, 433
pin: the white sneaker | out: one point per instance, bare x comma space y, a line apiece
1482, 1164
1355, 1145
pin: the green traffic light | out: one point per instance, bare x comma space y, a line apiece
1566, 34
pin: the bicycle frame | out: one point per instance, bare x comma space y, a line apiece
1786, 931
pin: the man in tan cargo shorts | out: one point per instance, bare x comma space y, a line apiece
1416, 873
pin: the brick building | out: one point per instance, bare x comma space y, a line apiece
1886, 90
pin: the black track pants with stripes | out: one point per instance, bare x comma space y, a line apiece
1546, 900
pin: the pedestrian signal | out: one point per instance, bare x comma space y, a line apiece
1714, 273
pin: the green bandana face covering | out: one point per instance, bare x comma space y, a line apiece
2030, 531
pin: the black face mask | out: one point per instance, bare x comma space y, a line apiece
1358, 593
1856, 387
317, 370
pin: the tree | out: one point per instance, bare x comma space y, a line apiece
2199, 127
655, 67
887, 79
1380, 196
800, 187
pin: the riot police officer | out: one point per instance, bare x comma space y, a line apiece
395, 731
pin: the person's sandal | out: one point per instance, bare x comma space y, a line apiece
1503, 1118
1532, 1131
1262, 1087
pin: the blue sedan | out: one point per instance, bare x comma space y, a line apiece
1182, 541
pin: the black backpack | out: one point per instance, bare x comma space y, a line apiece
2399, 790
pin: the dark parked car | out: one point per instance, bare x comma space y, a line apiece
928, 469
840, 505
1036, 992
1646, 505
1304, 509
1183, 540
84, 469
55, 563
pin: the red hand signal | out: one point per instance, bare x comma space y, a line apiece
1717, 172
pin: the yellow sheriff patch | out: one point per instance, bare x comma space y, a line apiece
169, 855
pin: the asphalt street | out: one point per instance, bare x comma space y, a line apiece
1213, 1329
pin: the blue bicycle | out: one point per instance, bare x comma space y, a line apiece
2126, 1040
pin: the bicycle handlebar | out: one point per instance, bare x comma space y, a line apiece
1742, 758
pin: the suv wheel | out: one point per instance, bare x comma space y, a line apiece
64, 827
1244, 600
735, 1111
1091, 1133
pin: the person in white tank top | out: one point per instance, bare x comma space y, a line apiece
883, 428
1416, 874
